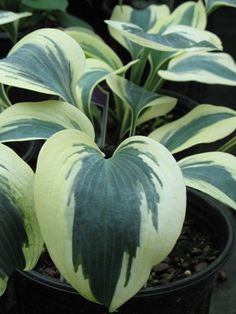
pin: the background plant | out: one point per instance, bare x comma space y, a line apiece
35, 14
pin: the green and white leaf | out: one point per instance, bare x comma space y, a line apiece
209, 68
212, 5
96, 72
203, 124
47, 61
20, 239
213, 173
116, 217
9, 16
146, 19
189, 13
4, 100
174, 38
40, 120
9, 22
94, 46
141, 104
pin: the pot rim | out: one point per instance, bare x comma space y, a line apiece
181, 284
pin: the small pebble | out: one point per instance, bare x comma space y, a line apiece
161, 267
188, 273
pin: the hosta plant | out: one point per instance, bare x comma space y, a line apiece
109, 203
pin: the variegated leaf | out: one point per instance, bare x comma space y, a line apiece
47, 61
9, 22
145, 18
174, 38
212, 5
4, 101
96, 72
116, 217
213, 173
40, 120
209, 68
204, 124
137, 101
94, 47
8, 16
20, 239
189, 13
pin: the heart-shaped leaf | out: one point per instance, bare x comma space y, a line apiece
115, 217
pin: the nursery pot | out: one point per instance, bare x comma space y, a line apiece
38, 294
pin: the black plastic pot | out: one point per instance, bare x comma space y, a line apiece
37, 294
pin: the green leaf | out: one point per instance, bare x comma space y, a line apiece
46, 5
209, 68
174, 38
20, 239
212, 5
137, 99
68, 20
43, 61
212, 173
40, 120
204, 124
122, 214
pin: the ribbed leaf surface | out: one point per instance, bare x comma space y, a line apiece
115, 217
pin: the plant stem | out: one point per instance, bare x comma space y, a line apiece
123, 128
138, 68
132, 127
229, 146
158, 85
104, 120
